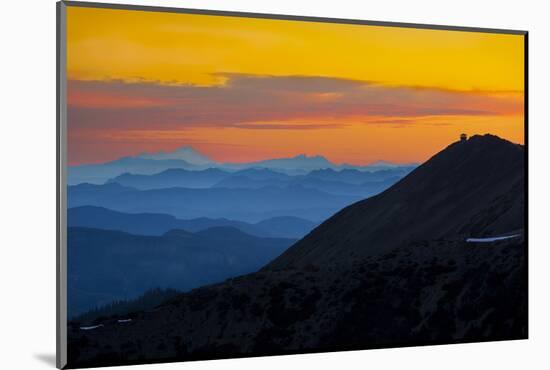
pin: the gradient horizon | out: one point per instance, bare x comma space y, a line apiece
245, 89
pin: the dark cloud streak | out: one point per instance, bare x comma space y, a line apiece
266, 102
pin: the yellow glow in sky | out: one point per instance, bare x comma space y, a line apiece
192, 49
242, 89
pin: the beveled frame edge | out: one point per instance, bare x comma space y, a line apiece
526, 171
61, 186
165, 9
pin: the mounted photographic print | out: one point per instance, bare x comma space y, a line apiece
235, 185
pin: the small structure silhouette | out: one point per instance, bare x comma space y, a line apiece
463, 137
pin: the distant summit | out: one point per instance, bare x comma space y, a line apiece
185, 153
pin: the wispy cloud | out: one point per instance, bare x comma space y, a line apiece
254, 117
274, 101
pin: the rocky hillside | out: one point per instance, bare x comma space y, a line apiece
431, 293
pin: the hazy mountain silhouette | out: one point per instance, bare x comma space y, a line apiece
250, 205
364, 190
391, 270
339, 182
158, 224
357, 177
100, 173
239, 181
172, 178
106, 266
261, 174
190, 159
299, 164
286, 226
343, 182
303, 164
186, 153
201, 178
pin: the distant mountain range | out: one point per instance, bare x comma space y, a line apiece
189, 159
139, 202
159, 224
106, 266
172, 178
299, 164
390, 270
249, 205
100, 173
341, 182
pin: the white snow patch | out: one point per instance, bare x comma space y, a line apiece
492, 239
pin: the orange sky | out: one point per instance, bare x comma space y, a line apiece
241, 89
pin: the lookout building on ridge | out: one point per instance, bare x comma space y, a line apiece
463, 137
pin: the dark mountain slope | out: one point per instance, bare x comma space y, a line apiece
146, 302
469, 189
413, 296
